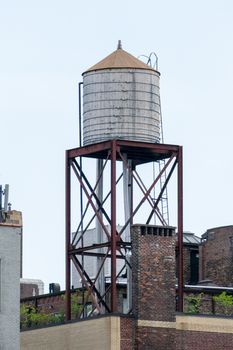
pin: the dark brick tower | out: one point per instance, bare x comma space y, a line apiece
216, 256
153, 274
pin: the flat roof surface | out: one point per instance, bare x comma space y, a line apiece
138, 152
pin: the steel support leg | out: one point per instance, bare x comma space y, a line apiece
68, 204
180, 230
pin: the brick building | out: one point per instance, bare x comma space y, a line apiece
191, 244
31, 287
153, 271
10, 240
216, 256
153, 323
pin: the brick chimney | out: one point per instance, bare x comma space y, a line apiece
153, 285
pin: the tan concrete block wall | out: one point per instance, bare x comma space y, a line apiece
13, 218
205, 324
204, 333
98, 334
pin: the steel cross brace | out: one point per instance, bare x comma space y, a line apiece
112, 149
143, 188
147, 193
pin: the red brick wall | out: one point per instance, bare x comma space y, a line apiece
187, 273
216, 256
192, 340
54, 303
150, 338
28, 290
153, 270
127, 326
47, 303
186, 260
153, 276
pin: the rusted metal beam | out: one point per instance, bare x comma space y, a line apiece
79, 177
161, 147
89, 150
149, 151
97, 275
101, 255
93, 217
141, 153
83, 213
89, 284
161, 192
180, 229
68, 204
147, 193
92, 190
143, 188
90, 247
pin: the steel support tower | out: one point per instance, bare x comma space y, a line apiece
114, 248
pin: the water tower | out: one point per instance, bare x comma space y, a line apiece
119, 124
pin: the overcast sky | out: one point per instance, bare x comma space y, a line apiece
45, 47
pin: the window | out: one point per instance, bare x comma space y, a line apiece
211, 235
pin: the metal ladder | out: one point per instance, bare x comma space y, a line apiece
163, 203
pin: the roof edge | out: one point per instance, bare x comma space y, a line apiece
118, 68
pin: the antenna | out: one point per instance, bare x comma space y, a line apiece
6, 199
119, 45
1, 193
4, 208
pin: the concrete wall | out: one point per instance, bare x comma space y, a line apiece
99, 334
204, 333
14, 218
119, 333
9, 287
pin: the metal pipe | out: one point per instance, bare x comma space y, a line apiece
80, 113
180, 230
113, 228
81, 166
89, 223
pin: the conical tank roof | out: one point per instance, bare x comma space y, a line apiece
119, 59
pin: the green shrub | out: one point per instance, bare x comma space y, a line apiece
30, 317
193, 303
226, 301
